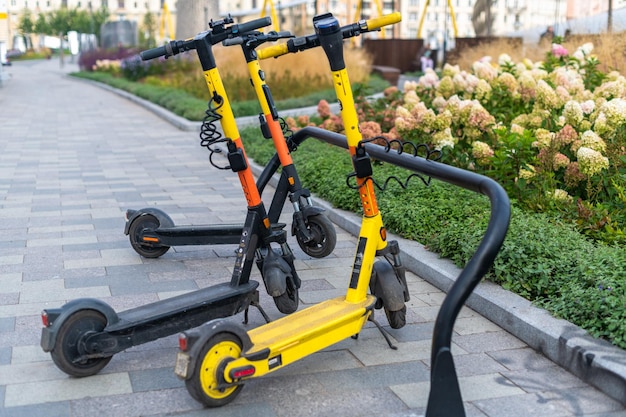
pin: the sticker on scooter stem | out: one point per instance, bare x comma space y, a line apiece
241, 251
358, 262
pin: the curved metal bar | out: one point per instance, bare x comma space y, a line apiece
445, 397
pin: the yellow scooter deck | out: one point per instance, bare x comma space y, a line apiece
306, 331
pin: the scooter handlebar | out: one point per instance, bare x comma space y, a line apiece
302, 43
251, 25
218, 33
153, 53
273, 51
386, 20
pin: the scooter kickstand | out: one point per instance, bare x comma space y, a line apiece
383, 332
255, 303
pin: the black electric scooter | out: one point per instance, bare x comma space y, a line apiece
84, 334
152, 232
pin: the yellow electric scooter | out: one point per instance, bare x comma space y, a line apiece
217, 358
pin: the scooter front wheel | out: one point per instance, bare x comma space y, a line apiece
69, 346
207, 384
324, 237
396, 319
288, 301
135, 234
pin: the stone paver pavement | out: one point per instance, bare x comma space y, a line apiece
74, 157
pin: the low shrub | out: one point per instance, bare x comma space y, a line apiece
192, 107
104, 60
542, 258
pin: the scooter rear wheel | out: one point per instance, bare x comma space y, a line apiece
324, 237
135, 234
207, 384
69, 344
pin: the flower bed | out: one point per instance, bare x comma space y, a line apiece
551, 132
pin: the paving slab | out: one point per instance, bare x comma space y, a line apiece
74, 156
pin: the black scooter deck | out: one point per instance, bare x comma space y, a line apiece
218, 298
199, 235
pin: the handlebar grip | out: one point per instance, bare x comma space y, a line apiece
252, 25
153, 53
273, 51
233, 41
388, 19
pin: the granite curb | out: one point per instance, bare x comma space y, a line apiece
596, 362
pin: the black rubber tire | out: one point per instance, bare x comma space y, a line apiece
324, 237
288, 301
220, 349
396, 319
145, 221
67, 345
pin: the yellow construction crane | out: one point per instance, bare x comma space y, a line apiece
452, 16
166, 20
379, 9
273, 15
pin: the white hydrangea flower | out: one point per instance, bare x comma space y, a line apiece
504, 59
591, 162
588, 106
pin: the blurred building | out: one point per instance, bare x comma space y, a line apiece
435, 21
530, 18
131, 10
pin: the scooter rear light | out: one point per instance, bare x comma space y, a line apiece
243, 372
45, 319
182, 342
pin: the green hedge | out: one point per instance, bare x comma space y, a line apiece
192, 108
542, 259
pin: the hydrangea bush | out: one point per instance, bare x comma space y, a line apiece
551, 132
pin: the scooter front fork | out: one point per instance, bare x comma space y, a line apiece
299, 221
391, 253
277, 268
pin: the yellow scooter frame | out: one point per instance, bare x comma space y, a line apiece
218, 357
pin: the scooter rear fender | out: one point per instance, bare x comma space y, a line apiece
57, 316
198, 337
131, 215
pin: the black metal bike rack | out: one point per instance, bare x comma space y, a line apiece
445, 395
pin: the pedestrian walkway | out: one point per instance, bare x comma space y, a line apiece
74, 157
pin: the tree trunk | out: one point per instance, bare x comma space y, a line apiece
193, 16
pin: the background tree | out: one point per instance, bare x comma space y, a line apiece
193, 16
59, 22
147, 31
26, 25
41, 24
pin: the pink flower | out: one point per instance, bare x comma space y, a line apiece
370, 129
561, 161
558, 50
566, 135
303, 120
323, 109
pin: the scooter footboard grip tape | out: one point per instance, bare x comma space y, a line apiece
273, 51
153, 53
379, 22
